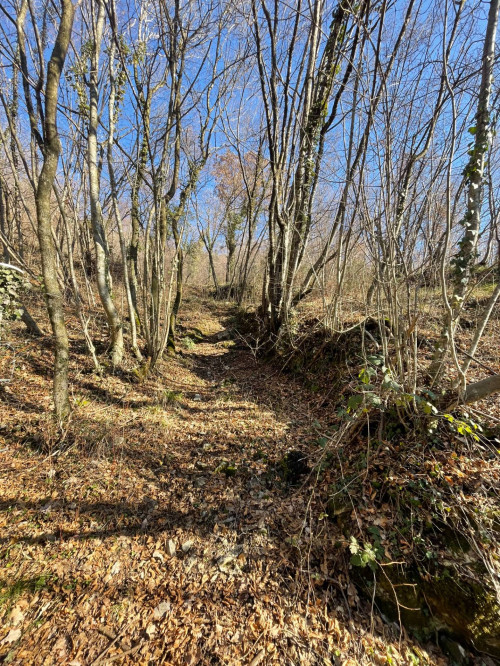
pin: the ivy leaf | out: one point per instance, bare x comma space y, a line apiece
354, 401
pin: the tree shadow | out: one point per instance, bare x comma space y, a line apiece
121, 519
11, 400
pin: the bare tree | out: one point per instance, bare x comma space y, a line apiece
465, 259
98, 16
51, 147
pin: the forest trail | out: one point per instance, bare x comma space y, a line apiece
172, 538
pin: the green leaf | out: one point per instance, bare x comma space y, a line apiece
373, 399
375, 360
366, 373
354, 401
357, 561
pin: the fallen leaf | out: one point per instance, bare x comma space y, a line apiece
13, 636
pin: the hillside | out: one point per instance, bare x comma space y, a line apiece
162, 529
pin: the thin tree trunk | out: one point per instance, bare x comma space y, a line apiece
212, 268
179, 286
133, 249
30, 323
114, 197
465, 260
99, 233
14, 112
3, 219
52, 148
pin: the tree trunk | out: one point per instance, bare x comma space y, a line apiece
52, 148
99, 234
482, 389
14, 111
29, 322
3, 219
465, 259
133, 249
179, 287
114, 197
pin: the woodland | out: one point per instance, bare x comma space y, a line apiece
249, 324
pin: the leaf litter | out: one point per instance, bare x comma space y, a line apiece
159, 532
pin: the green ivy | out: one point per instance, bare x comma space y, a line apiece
12, 286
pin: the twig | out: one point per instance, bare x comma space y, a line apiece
258, 658
484, 414
110, 645
123, 654
473, 358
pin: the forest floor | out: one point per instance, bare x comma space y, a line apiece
159, 530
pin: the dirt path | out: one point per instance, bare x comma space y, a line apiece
164, 534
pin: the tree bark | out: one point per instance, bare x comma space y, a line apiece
114, 197
98, 231
466, 257
482, 389
30, 323
3, 219
178, 286
52, 148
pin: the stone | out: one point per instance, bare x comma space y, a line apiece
186, 546
171, 548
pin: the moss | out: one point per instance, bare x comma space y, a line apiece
459, 606
293, 467
9, 592
227, 468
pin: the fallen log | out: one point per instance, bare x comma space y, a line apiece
482, 389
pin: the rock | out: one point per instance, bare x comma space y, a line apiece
454, 650
339, 508
151, 629
61, 646
190, 563
197, 397
186, 546
224, 335
171, 548
228, 562
227, 468
17, 616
